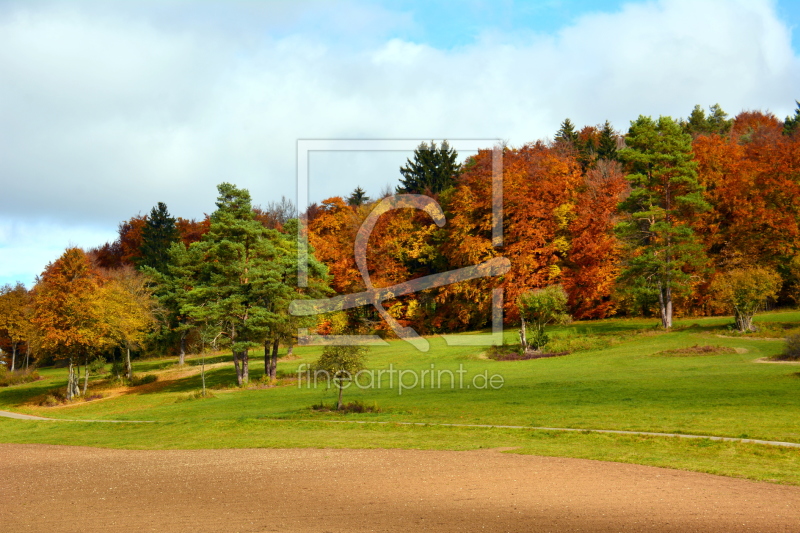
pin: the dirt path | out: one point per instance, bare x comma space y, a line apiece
69, 489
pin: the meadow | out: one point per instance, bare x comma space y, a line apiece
621, 375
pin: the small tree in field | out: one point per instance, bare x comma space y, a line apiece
342, 363
745, 291
537, 309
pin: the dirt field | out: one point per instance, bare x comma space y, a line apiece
69, 489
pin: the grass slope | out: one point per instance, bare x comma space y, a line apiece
622, 376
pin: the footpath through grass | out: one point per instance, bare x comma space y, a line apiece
623, 375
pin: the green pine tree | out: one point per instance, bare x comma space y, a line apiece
607, 146
567, 134
233, 277
701, 124
358, 197
433, 170
665, 194
158, 235
792, 124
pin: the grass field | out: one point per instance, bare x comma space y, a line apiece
621, 375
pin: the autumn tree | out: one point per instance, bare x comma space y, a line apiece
665, 196
751, 184
276, 213
126, 249
158, 234
433, 169
558, 229
68, 312
342, 363
745, 290
192, 230
14, 319
128, 306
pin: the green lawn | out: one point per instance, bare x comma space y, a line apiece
617, 381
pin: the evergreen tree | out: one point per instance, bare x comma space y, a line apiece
791, 124
158, 234
607, 146
700, 124
433, 170
567, 133
358, 197
662, 248
718, 121
231, 276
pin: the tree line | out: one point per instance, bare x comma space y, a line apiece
675, 217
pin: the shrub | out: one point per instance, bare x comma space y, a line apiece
118, 367
17, 377
196, 395
537, 309
53, 399
792, 350
352, 407
698, 350
136, 381
94, 396
98, 366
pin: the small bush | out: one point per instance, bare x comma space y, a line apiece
53, 399
146, 379
792, 350
352, 407
500, 353
528, 355
17, 377
94, 396
196, 395
698, 350
97, 366
117, 367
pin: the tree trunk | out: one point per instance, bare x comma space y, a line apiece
744, 323
245, 366
128, 367
523, 335
182, 357
236, 366
266, 357
86, 376
203, 373
339, 405
69, 380
273, 364
290, 350
13, 355
665, 305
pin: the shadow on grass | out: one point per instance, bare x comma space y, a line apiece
20, 394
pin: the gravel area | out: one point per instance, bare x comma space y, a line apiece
70, 489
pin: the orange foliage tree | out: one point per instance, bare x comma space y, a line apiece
557, 229
68, 312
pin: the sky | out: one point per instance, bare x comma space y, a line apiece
107, 108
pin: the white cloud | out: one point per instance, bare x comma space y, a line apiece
105, 111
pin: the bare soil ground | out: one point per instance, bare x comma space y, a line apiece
69, 489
